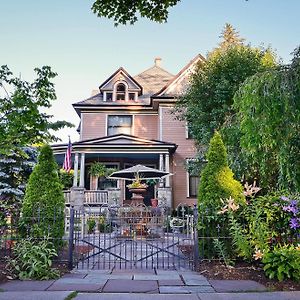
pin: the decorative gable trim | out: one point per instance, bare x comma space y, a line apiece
121, 75
169, 88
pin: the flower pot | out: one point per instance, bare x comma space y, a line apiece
137, 190
154, 202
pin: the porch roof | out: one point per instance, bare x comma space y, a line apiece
120, 143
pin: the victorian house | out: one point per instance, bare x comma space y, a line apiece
129, 121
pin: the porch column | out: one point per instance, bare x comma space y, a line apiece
161, 168
82, 166
75, 178
167, 169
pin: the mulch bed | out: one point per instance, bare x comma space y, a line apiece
244, 271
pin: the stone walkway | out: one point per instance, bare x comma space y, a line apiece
139, 285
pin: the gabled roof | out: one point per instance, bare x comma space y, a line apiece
178, 83
153, 79
118, 142
121, 71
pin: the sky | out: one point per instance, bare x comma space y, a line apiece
85, 50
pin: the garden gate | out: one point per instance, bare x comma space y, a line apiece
133, 236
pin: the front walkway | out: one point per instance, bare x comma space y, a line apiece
139, 285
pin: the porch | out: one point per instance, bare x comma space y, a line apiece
118, 152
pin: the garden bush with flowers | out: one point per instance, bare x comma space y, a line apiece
267, 229
263, 229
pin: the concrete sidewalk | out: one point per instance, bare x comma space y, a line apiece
139, 285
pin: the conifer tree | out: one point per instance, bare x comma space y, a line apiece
217, 180
44, 201
230, 37
15, 168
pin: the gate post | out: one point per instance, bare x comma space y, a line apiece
196, 242
71, 239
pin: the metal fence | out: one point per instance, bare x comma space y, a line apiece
133, 236
38, 226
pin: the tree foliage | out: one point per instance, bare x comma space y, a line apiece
217, 180
15, 169
268, 114
126, 11
44, 198
208, 101
21, 121
230, 36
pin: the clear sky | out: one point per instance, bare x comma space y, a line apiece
84, 50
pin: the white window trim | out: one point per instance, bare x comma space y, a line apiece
186, 130
188, 180
132, 127
115, 90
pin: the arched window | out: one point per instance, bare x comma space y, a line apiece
121, 91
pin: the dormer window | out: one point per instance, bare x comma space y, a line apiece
121, 91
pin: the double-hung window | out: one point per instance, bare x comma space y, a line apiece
119, 124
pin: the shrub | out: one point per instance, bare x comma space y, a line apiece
217, 179
283, 262
44, 201
66, 178
33, 260
91, 225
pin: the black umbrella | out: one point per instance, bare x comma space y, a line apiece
139, 172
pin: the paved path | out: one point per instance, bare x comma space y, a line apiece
139, 285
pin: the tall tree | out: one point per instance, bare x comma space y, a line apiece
268, 115
208, 100
15, 169
22, 121
230, 36
44, 198
126, 11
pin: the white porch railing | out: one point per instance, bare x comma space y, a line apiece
91, 197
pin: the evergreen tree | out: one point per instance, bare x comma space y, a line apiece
217, 180
15, 170
44, 200
230, 37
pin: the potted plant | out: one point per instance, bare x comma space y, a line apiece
137, 186
176, 224
91, 225
99, 170
154, 201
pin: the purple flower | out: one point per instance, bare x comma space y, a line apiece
294, 210
293, 202
284, 198
294, 223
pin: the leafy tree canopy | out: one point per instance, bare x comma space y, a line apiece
268, 117
126, 11
208, 101
21, 121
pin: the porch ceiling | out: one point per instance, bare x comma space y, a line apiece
126, 156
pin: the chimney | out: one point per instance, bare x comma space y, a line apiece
157, 61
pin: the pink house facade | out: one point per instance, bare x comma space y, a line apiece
129, 121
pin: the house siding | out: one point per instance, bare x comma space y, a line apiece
93, 125
146, 126
174, 131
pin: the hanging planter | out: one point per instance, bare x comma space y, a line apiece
99, 170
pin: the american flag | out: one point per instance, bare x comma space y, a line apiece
68, 158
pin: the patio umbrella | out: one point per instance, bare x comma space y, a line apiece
139, 171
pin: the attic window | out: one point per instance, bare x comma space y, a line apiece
121, 91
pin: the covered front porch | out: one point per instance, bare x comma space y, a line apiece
118, 152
